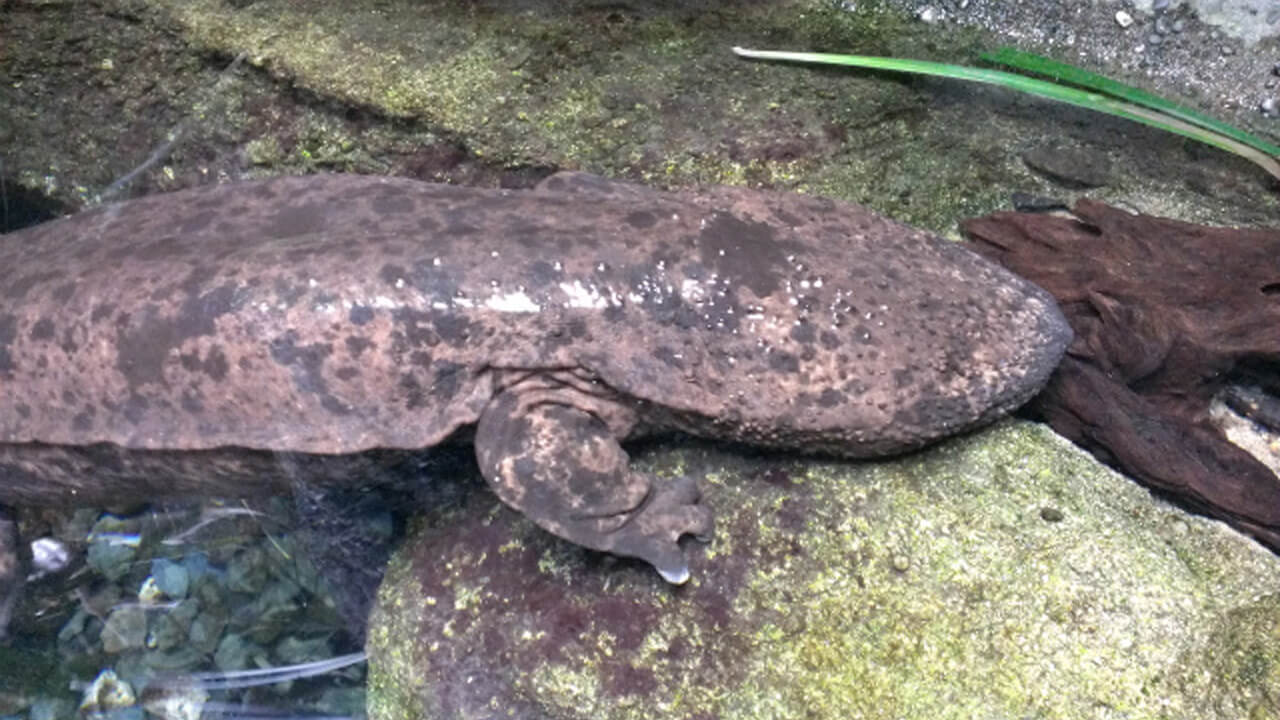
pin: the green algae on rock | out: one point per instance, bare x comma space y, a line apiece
999, 575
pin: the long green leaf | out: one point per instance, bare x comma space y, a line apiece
1062, 72
1039, 88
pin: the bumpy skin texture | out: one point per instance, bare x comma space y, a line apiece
331, 317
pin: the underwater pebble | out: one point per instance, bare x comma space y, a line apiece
107, 692
1160, 5
1269, 107
929, 14
1179, 25
126, 629
295, 651
1155, 39
184, 659
49, 555
149, 593
236, 653
171, 578
51, 709
113, 544
247, 572
206, 630
176, 701
1123, 19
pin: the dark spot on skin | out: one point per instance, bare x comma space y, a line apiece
421, 359
412, 331
65, 292
346, 372
356, 345
831, 398
69, 344
297, 220
392, 204
198, 222
135, 407
69, 396
448, 377
863, 335
673, 310
902, 378
287, 292
803, 333
461, 229
19, 288
784, 362
668, 356
614, 314
216, 365
83, 421
391, 274
24, 411
42, 329
829, 340
641, 219
192, 401
541, 274
360, 315
748, 253
787, 218
306, 364
101, 312
412, 391
143, 343
453, 328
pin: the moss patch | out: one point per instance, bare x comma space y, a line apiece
997, 575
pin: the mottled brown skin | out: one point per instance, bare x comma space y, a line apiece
190, 341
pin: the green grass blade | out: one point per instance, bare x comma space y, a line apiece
1062, 72
1033, 86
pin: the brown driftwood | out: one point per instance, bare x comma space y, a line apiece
1166, 314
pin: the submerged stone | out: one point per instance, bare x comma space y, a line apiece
1001, 575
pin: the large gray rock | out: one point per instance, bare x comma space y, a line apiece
1003, 575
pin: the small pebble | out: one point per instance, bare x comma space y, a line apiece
1270, 107
1162, 25
49, 555
901, 563
929, 14
1179, 25
1155, 38
1275, 69
1160, 5
1123, 19
1228, 50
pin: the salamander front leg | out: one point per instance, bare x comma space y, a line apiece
563, 468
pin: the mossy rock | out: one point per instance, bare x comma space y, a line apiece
1001, 575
